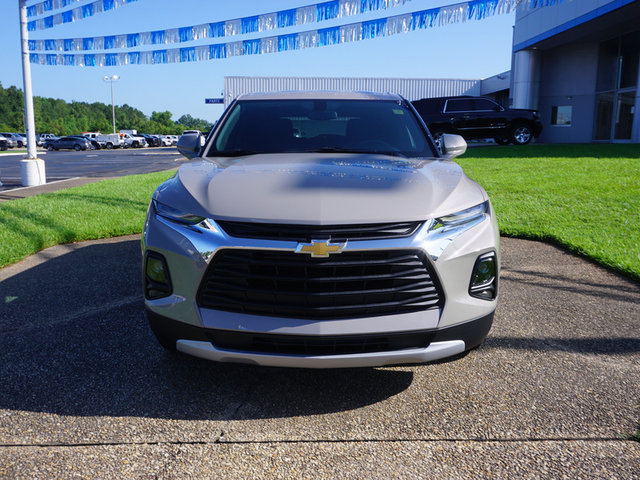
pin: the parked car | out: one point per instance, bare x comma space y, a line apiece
106, 140
133, 141
95, 144
71, 142
42, 137
12, 139
4, 144
478, 117
320, 230
152, 140
166, 140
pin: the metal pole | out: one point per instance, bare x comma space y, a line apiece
32, 169
111, 79
113, 108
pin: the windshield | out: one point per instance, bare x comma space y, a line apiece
338, 126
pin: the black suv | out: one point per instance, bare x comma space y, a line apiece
478, 117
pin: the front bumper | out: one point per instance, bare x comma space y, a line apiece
179, 322
443, 343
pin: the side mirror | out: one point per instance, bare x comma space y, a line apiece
190, 144
452, 146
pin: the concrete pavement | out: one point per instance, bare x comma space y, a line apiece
85, 391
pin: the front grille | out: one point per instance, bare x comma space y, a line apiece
319, 345
306, 233
351, 284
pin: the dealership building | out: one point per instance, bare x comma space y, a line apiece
577, 63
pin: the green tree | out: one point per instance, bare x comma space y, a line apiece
61, 118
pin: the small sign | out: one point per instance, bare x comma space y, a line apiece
213, 100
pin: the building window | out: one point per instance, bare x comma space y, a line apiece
618, 65
561, 115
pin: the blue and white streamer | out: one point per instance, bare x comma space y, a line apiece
317, 12
382, 27
69, 15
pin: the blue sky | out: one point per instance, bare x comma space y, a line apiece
475, 49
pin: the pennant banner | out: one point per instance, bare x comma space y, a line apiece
70, 15
382, 27
316, 12
41, 8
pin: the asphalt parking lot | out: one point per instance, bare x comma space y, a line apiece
91, 164
86, 392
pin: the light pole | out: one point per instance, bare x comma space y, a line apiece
32, 169
111, 79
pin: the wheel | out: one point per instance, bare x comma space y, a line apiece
135, 145
77, 147
521, 135
437, 139
109, 146
502, 140
50, 148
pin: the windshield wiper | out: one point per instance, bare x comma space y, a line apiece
233, 153
391, 153
334, 150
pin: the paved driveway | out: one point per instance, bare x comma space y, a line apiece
85, 391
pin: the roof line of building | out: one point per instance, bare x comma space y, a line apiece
610, 7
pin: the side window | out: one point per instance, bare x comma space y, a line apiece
484, 104
460, 105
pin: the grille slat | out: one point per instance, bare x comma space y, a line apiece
231, 259
423, 287
305, 233
331, 278
351, 284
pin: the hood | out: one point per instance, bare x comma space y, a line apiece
320, 189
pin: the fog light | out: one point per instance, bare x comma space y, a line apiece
484, 281
157, 283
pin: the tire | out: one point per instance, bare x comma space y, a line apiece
50, 148
502, 140
77, 147
109, 146
521, 134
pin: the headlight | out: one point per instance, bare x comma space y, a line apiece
463, 217
175, 215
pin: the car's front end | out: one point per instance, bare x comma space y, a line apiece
321, 259
11, 142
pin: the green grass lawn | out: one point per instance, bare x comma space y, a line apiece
583, 197
105, 209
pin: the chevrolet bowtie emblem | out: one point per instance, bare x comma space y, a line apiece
320, 248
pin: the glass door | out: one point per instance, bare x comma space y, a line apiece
617, 80
625, 111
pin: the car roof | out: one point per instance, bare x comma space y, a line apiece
318, 95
